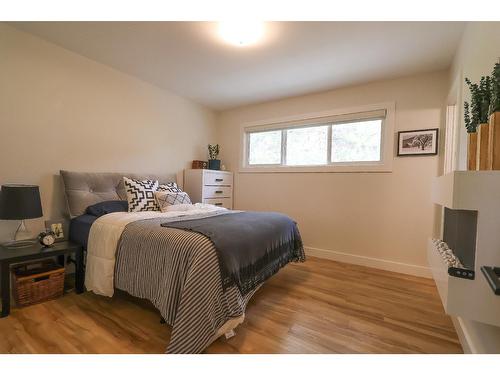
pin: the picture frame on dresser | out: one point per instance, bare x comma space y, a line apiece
209, 186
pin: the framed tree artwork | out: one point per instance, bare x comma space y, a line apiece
418, 142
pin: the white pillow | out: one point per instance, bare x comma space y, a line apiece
169, 186
166, 199
141, 195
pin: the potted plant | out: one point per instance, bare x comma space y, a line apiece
479, 108
213, 153
472, 139
494, 127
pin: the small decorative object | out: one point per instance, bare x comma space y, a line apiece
494, 128
455, 266
199, 164
47, 238
418, 142
20, 202
213, 153
447, 254
223, 167
480, 105
59, 227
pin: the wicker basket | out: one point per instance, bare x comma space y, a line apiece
37, 282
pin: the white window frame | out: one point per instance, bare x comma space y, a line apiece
318, 119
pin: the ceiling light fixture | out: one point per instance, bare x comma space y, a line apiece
241, 33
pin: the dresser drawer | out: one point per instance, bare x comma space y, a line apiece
217, 178
217, 191
221, 202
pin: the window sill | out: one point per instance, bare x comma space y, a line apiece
359, 168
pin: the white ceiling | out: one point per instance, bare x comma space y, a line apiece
294, 58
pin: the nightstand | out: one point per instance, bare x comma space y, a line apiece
209, 186
60, 250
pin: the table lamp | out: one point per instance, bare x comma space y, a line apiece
20, 202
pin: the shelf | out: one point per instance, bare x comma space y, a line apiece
470, 203
467, 190
471, 299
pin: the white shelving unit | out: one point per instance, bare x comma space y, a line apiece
476, 191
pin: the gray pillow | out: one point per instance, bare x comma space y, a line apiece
166, 199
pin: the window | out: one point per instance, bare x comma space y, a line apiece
356, 141
265, 148
360, 141
307, 146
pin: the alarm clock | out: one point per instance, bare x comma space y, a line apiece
47, 238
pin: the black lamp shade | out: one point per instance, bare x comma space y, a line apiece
19, 202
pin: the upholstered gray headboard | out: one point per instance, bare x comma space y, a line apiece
84, 189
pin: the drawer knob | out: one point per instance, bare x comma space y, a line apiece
218, 192
219, 179
218, 204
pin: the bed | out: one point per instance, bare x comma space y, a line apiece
175, 259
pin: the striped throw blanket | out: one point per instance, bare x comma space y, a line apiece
178, 272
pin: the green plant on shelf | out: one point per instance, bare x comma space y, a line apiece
479, 103
495, 89
471, 128
485, 92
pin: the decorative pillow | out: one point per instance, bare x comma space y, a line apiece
170, 187
141, 195
107, 207
166, 199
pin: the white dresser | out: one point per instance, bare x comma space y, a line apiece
209, 186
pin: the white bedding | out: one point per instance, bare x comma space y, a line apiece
105, 235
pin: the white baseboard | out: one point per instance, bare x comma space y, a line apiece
463, 335
383, 264
477, 338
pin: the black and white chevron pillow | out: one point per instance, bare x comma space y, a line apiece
170, 187
141, 195
166, 199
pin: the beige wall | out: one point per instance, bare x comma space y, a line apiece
478, 52
59, 110
386, 216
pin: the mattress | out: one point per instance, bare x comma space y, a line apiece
79, 229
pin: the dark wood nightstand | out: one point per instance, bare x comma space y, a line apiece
60, 250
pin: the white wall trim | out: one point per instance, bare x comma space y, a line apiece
360, 260
476, 337
463, 335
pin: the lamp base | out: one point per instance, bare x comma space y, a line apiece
19, 244
22, 233
22, 238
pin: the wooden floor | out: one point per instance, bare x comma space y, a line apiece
320, 306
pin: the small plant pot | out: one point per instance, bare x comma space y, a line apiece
494, 142
482, 147
472, 151
214, 164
